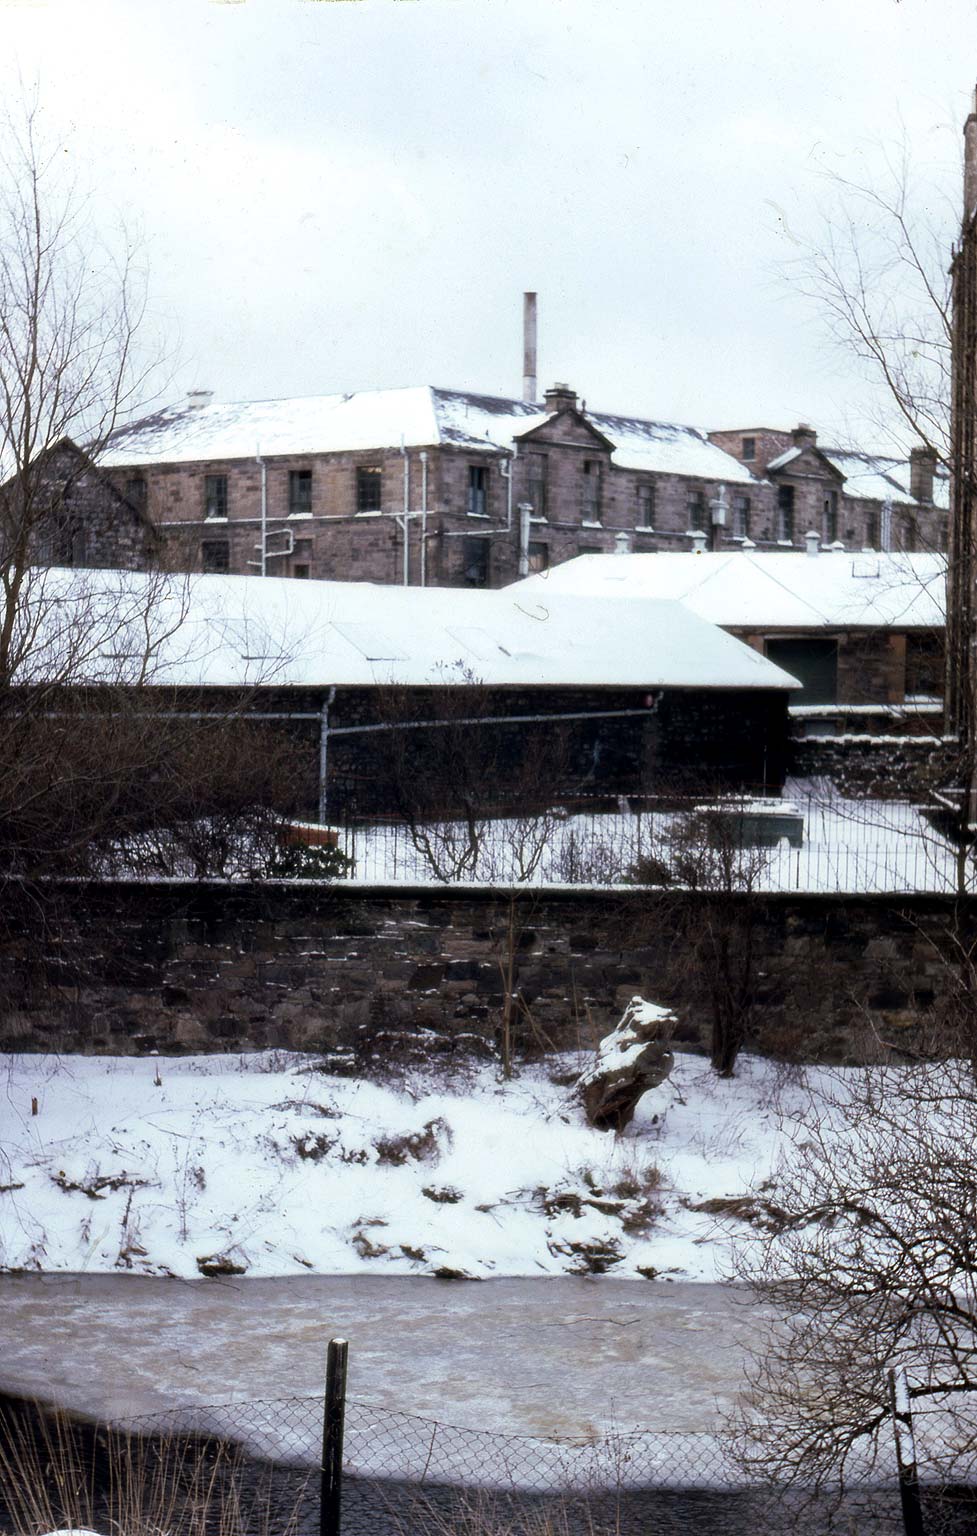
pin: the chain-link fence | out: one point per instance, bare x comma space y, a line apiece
253, 1468
405, 1474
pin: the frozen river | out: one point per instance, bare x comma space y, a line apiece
548, 1356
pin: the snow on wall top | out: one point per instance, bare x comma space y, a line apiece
754, 589
231, 630
418, 417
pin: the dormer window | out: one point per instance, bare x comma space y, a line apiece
785, 514
749, 449
536, 483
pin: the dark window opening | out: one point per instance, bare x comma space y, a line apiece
831, 517
589, 549
369, 488
476, 557
590, 499
136, 491
785, 514
695, 507
539, 557
215, 495
477, 490
646, 504
299, 492
815, 665
302, 558
215, 556
908, 535
749, 447
925, 663
536, 483
741, 517
872, 529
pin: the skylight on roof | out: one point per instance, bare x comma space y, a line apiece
371, 642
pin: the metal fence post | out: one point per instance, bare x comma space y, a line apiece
333, 1423
902, 1427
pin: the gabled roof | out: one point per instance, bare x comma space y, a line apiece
85, 464
237, 630
791, 455
877, 477
759, 590
386, 418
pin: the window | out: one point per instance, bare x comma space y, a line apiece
369, 488
136, 491
646, 504
925, 664
215, 495
589, 549
299, 492
872, 529
831, 517
536, 483
695, 507
477, 490
749, 448
907, 534
302, 559
590, 499
215, 555
539, 557
476, 557
741, 517
785, 514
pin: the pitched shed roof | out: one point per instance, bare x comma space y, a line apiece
418, 417
232, 630
754, 589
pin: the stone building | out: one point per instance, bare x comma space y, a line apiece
75, 515
427, 486
863, 633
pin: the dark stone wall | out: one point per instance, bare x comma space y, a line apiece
126, 968
884, 767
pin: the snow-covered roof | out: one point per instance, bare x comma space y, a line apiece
385, 418
232, 630
745, 589
785, 458
876, 477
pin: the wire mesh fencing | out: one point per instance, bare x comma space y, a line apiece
812, 840
406, 1474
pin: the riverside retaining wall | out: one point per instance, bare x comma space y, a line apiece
175, 967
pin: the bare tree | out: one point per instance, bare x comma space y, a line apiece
868, 1262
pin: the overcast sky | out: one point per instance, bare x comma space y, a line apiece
347, 194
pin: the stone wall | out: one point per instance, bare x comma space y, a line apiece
126, 968
884, 767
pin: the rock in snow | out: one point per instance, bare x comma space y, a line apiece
631, 1059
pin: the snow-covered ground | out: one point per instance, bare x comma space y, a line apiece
849, 846
264, 1165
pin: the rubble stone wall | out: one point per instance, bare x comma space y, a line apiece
177, 968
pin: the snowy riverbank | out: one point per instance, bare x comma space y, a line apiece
266, 1166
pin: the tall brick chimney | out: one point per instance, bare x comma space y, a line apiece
561, 398
922, 469
970, 164
804, 436
529, 385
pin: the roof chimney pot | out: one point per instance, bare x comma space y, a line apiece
560, 397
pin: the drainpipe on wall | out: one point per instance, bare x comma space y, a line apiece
423, 519
404, 522
263, 562
324, 756
525, 512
